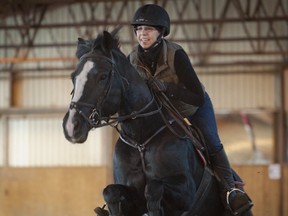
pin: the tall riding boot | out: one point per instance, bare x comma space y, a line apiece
236, 200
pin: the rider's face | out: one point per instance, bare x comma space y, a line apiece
146, 35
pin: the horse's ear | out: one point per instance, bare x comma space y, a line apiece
81, 40
83, 47
107, 42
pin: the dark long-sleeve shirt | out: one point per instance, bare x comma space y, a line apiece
189, 89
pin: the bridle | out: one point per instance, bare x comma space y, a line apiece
95, 119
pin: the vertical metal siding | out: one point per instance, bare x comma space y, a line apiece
241, 91
4, 90
44, 91
2, 150
39, 141
286, 90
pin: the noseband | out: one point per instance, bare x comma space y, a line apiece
95, 120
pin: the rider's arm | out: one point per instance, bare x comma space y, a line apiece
189, 89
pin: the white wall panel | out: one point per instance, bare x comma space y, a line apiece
38, 141
286, 90
241, 91
4, 90
2, 139
40, 91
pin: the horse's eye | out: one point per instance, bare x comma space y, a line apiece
103, 77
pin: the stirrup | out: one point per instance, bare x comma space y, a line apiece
246, 204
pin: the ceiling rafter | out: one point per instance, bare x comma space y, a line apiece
212, 20
27, 35
272, 29
173, 22
193, 40
180, 13
216, 30
242, 15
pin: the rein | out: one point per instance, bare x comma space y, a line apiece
183, 123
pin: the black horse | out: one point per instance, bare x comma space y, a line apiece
157, 168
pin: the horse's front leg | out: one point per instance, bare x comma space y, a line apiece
154, 193
122, 200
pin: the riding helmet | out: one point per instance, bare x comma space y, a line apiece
152, 15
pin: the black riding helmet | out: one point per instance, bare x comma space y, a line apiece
152, 15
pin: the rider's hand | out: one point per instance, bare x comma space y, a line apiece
157, 85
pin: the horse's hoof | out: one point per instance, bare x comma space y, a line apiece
101, 212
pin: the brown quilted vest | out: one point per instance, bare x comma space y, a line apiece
165, 71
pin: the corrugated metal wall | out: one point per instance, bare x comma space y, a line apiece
242, 91
2, 151
38, 140
48, 89
5, 90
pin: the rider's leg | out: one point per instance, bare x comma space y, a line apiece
237, 200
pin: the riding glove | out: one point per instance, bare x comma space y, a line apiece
157, 85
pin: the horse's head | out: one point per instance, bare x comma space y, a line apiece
97, 86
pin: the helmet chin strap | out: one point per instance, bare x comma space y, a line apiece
153, 45
157, 42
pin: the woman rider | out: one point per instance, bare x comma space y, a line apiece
170, 66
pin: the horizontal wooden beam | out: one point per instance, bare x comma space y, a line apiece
127, 23
40, 59
74, 59
63, 110
278, 64
32, 111
186, 40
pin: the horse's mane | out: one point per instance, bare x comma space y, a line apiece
85, 46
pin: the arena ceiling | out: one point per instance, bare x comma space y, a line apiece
271, 23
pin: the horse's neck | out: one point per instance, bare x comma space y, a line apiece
139, 98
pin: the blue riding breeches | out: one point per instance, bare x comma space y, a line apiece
205, 120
